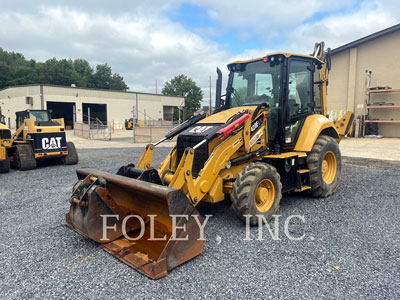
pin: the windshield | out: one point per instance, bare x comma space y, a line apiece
257, 83
39, 116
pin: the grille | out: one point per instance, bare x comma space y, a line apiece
200, 154
5, 134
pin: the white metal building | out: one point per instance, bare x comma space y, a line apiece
379, 53
106, 105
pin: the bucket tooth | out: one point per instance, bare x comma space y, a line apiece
168, 235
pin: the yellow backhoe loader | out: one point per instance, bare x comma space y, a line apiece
270, 135
5, 142
37, 138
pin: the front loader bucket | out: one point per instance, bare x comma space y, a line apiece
112, 210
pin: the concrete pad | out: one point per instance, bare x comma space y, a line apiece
120, 139
384, 148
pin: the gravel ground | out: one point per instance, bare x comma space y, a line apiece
350, 249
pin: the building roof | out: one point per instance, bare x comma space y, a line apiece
366, 39
85, 88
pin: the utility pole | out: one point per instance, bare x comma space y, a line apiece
156, 86
133, 123
137, 110
210, 96
74, 117
89, 121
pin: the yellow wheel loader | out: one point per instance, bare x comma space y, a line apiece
129, 124
270, 136
5, 143
37, 138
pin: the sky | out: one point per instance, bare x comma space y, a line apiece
149, 41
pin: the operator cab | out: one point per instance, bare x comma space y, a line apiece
282, 82
40, 117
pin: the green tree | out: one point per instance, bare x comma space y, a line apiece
83, 73
5, 72
59, 72
16, 70
118, 83
102, 77
184, 86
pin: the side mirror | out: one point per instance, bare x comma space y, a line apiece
311, 67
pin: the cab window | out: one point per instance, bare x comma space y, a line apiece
300, 88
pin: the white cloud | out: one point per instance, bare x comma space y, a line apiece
342, 28
266, 19
143, 48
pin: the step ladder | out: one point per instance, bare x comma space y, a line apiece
303, 177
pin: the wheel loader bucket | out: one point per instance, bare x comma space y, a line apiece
150, 227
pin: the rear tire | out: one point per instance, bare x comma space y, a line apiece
72, 157
325, 164
5, 165
24, 158
256, 191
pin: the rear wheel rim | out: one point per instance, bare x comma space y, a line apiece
329, 167
265, 195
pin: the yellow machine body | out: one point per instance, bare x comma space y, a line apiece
28, 128
39, 137
253, 152
5, 141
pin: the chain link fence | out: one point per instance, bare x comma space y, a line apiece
94, 129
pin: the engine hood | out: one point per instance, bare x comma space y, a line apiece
3, 127
223, 116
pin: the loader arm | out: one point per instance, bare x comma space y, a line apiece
218, 160
17, 132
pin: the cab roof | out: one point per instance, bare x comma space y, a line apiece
287, 55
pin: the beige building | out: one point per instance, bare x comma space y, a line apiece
106, 105
379, 53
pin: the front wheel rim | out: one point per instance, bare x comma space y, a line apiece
329, 167
265, 195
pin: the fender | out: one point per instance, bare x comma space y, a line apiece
313, 126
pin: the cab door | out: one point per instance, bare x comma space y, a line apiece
300, 99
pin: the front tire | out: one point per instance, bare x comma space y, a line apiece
257, 191
325, 164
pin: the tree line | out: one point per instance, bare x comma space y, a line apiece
16, 70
